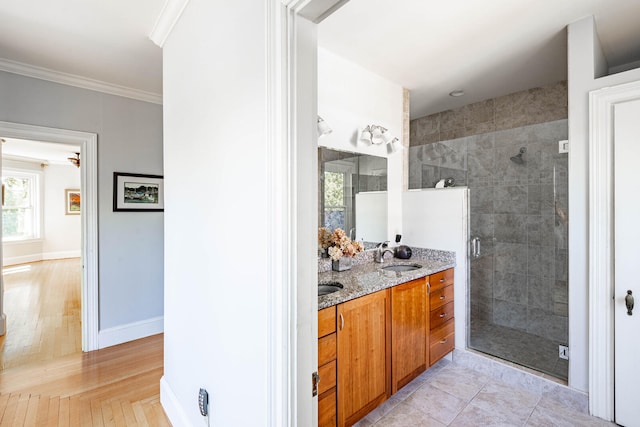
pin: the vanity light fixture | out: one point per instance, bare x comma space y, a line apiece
75, 160
394, 145
323, 127
374, 134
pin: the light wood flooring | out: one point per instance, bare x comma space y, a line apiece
42, 304
47, 381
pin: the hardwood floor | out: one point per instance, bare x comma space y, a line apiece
42, 304
116, 386
47, 381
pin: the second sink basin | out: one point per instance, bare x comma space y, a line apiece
402, 267
329, 288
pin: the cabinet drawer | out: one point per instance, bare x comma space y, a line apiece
441, 315
327, 349
441, 341
441, 297
440, 280
326, 321
328, 377
327, 405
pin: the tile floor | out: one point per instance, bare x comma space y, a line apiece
449, 394
519, 347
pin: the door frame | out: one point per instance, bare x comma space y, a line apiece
601, 245
88, 143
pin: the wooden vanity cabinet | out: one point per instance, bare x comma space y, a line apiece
364, 347
327, 368
441, 315
409, 332
372, 346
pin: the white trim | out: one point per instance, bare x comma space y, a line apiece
45, 256
131, 331
88, 143
41, 73
292, 143
169, 15
278, 192
62, 254
171, 404
23, 259
601, 256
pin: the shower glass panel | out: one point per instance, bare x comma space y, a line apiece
518, 185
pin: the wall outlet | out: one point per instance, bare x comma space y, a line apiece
203, 402
563, 146
563, 352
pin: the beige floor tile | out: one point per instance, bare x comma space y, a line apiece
511, 403
405, 415
436, 403
460, 382
472, 416
551, 413
383, 409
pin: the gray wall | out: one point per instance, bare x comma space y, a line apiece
129, 140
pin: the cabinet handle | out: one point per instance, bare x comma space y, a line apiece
428, 288
341, 322
443, 315
442, 280
444, 341
442, 297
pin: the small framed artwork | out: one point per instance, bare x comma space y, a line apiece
134, 192
72, 202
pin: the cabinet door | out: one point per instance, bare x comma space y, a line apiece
408, 331
364, 379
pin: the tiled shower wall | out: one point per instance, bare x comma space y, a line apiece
519, 211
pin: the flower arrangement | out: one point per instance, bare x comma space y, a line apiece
338, 243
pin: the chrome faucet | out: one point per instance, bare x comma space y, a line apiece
381, 249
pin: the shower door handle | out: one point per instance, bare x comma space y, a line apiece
475, 247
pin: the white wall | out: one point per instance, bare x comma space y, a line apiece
215, 220
351, 97
586, 64
129, 140
61, 233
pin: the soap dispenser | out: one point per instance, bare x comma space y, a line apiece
402, 251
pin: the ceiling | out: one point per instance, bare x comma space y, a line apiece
486, 48
105, 40
44, 152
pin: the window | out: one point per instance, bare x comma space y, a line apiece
334, 200
20, 213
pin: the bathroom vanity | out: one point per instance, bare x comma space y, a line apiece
380, 331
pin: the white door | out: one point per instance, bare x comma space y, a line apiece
627, 262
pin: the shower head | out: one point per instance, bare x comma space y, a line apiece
518, 158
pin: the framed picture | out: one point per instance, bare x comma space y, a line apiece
137, 193
72, 202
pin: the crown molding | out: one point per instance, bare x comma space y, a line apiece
41, 73
169, 15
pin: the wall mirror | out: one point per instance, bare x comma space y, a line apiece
353, 194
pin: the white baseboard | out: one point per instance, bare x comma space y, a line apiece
171, 406
131, 331
14, 260
40, 257
61, 254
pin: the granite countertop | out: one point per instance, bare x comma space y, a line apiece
367, 276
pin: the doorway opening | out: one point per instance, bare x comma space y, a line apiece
70, 143
41, 235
